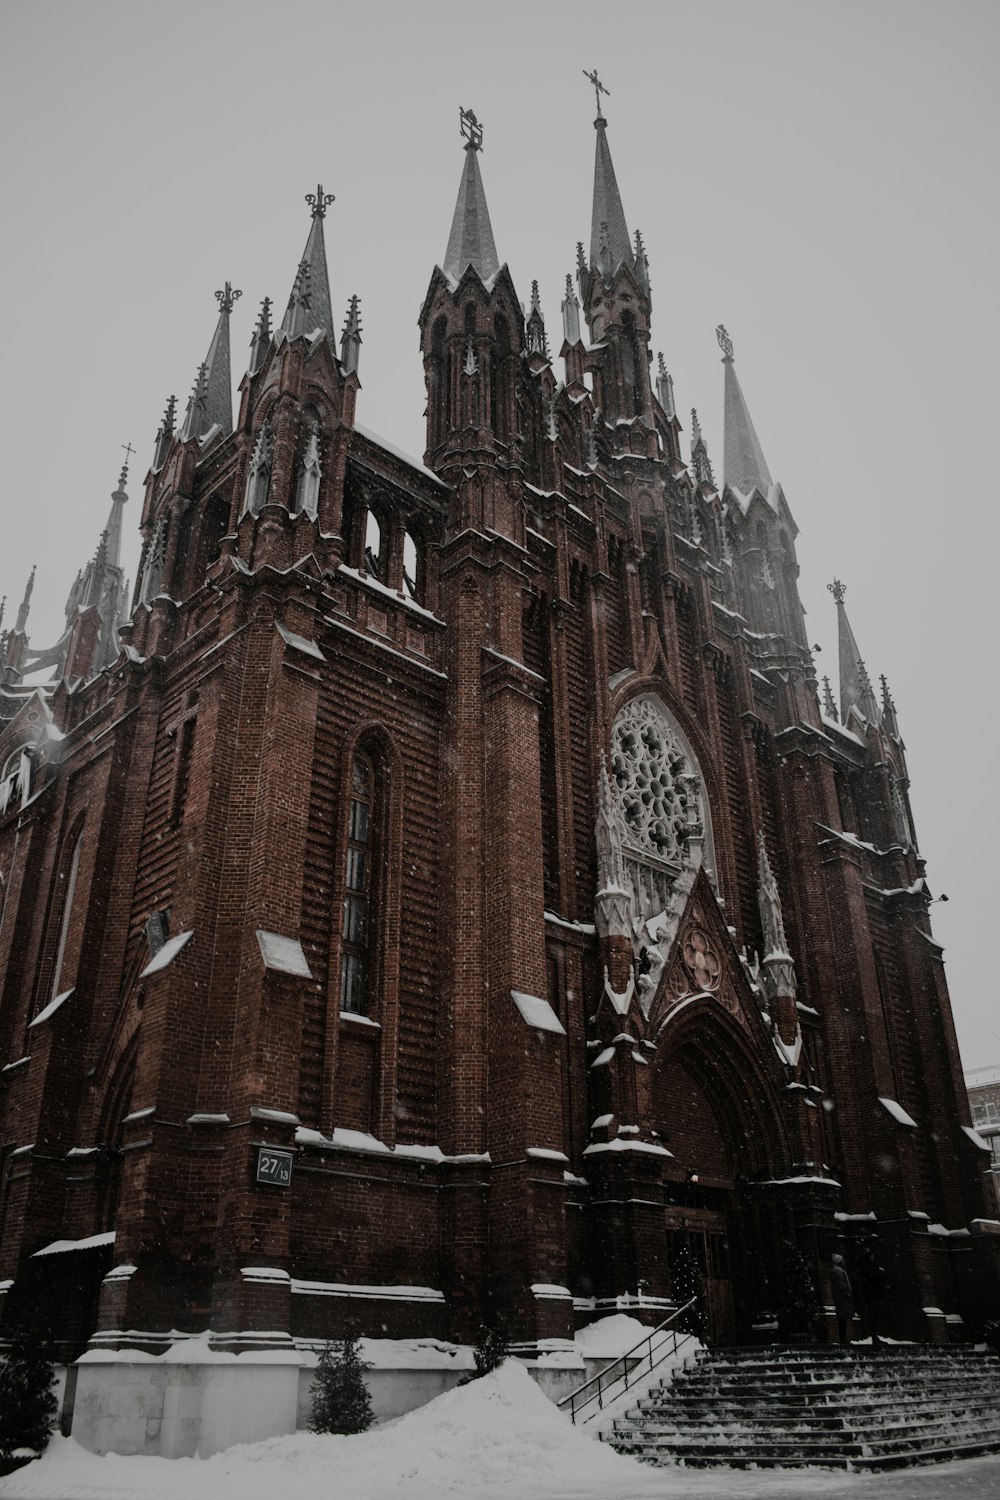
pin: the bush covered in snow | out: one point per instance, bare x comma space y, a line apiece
340, 1398
27, 1403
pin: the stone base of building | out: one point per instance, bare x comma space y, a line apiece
199, 1400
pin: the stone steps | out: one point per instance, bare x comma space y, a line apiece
819, 1408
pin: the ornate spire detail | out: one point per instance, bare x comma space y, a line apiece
889, 710
581, 259
551, 428
607, 206
309, 305
261, 337
855, 684
471, 242
665, 390
744, 466
571, 313
227, 298
22, 613
350, 338
164, 434
537, 342
471, 365
319, 202
700, 462
194, 423
829, 707
592, 427
641, 262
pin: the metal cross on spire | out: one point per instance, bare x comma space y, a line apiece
725, 342
227, 297
319, 201
599, 89
129, 450
471, 129
837, 589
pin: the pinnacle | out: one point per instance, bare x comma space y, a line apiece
744, 465
471, 242
309, 304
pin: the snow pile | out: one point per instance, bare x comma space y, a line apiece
496, 1436
611, 1336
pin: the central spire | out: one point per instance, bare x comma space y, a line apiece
211, 400
609, 236
309, 302
471, 240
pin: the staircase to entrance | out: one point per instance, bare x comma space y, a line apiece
800, 1408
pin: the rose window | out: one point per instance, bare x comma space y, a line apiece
648, 770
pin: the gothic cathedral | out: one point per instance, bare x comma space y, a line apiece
442, 892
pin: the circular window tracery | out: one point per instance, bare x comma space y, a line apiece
652, 776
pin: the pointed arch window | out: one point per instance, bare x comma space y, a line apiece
374, 561
259, 473
359, 893
15, 782
310, 475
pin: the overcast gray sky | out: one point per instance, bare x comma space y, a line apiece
819, 177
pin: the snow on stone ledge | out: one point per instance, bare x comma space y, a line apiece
283, 955
300, 643
50, 1009
550, 1289
545, 1153
899, 1113
537, 1012
92, 1242
618, 1144
167, 954
376, 1293
975, 1137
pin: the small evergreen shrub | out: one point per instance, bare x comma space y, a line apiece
340, 1399
27, 1403
687, 1282
489, 1351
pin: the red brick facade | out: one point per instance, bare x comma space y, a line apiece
551, 1084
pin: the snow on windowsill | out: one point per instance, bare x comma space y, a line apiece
50, 1010
167, 954
91, 1242
359, 1019
299, 642
898, 1113
537, 1012
283, 955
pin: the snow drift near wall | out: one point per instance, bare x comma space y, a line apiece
496, 1436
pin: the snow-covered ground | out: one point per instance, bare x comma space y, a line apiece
497, 1437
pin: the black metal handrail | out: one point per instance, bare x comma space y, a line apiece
603, 1379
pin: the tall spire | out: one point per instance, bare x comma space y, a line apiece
471, 242
261, 337
571, 313
25, 605
211, 402
119, 499
309, 301
855, 686
608, 230
744, 465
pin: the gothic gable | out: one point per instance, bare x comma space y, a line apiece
703, 964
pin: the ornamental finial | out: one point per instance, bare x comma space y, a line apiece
599, 89
319, 201
471, 129
838, 590
226, 298
725, 343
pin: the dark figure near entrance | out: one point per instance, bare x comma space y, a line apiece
843, 1297
871, 1275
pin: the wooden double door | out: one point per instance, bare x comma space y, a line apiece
698, 1250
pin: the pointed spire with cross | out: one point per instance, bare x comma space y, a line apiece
471, 241
309, 306
319, 202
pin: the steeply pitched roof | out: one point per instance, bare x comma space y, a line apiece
607, 209
471, 242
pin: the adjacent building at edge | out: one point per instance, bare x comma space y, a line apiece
440, 892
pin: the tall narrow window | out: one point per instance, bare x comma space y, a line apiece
67, 912
374, 564
355, 957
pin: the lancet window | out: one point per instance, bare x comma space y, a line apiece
259, 474
355, 965
15, 783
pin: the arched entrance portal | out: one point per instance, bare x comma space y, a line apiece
720, 1115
